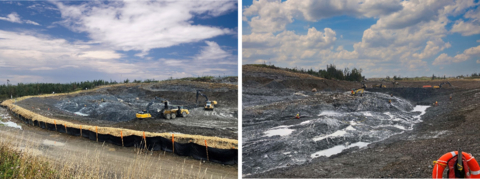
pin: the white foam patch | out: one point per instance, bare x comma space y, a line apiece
395, 125
11, 124
80, 114
420, 108
350, 128
280, 130
305, 122
389, 115
330, 113
367, 113
337, 149
338, 133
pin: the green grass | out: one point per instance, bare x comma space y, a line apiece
203, 78
15, 165
264, 66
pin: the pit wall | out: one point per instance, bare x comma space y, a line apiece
215, 149
419, 96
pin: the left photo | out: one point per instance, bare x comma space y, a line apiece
119, 89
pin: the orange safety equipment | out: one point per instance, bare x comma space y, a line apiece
441, 164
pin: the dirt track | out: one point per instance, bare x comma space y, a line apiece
66, 150
122, 102
449, 126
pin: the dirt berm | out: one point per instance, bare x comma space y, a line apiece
336, 135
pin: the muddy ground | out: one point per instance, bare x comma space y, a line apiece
451, 125
121, 103
63, 151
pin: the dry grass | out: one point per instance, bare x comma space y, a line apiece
25, 160
252, 68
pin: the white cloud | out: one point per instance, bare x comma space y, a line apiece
31, 22
15, 18
100, 54
444, 59
38, 52
470, 27
25, 53
413, 12
406, 35
466, 28
288, 45
432, 49
145, 25
208, 60
273, 16
212, 52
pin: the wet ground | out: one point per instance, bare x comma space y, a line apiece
117, 106
69, 151
344, 136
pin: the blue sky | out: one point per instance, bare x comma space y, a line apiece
406, 38
66, 41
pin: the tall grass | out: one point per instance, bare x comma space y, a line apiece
26, 158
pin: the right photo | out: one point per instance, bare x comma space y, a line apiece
359, 88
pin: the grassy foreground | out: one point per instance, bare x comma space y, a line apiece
15, 164
25, 162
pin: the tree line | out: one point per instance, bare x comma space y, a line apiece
21, 89
331, 72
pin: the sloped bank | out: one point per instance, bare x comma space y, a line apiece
331, 123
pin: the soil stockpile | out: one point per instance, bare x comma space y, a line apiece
340, 135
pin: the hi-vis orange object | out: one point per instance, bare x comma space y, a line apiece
441, 164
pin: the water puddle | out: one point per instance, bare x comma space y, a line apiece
337, 149
280, 130
80, 114
11, 124
338, 133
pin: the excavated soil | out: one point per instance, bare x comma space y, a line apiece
340, 135
121, 103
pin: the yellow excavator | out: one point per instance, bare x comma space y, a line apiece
145, 113
379, 86
355, 92
441, 84
364, 86
167, 113
174, 112
209, 105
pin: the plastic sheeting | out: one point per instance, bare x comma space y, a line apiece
223, 156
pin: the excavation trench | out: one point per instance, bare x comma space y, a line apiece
330, 123
117, 106
107, 114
